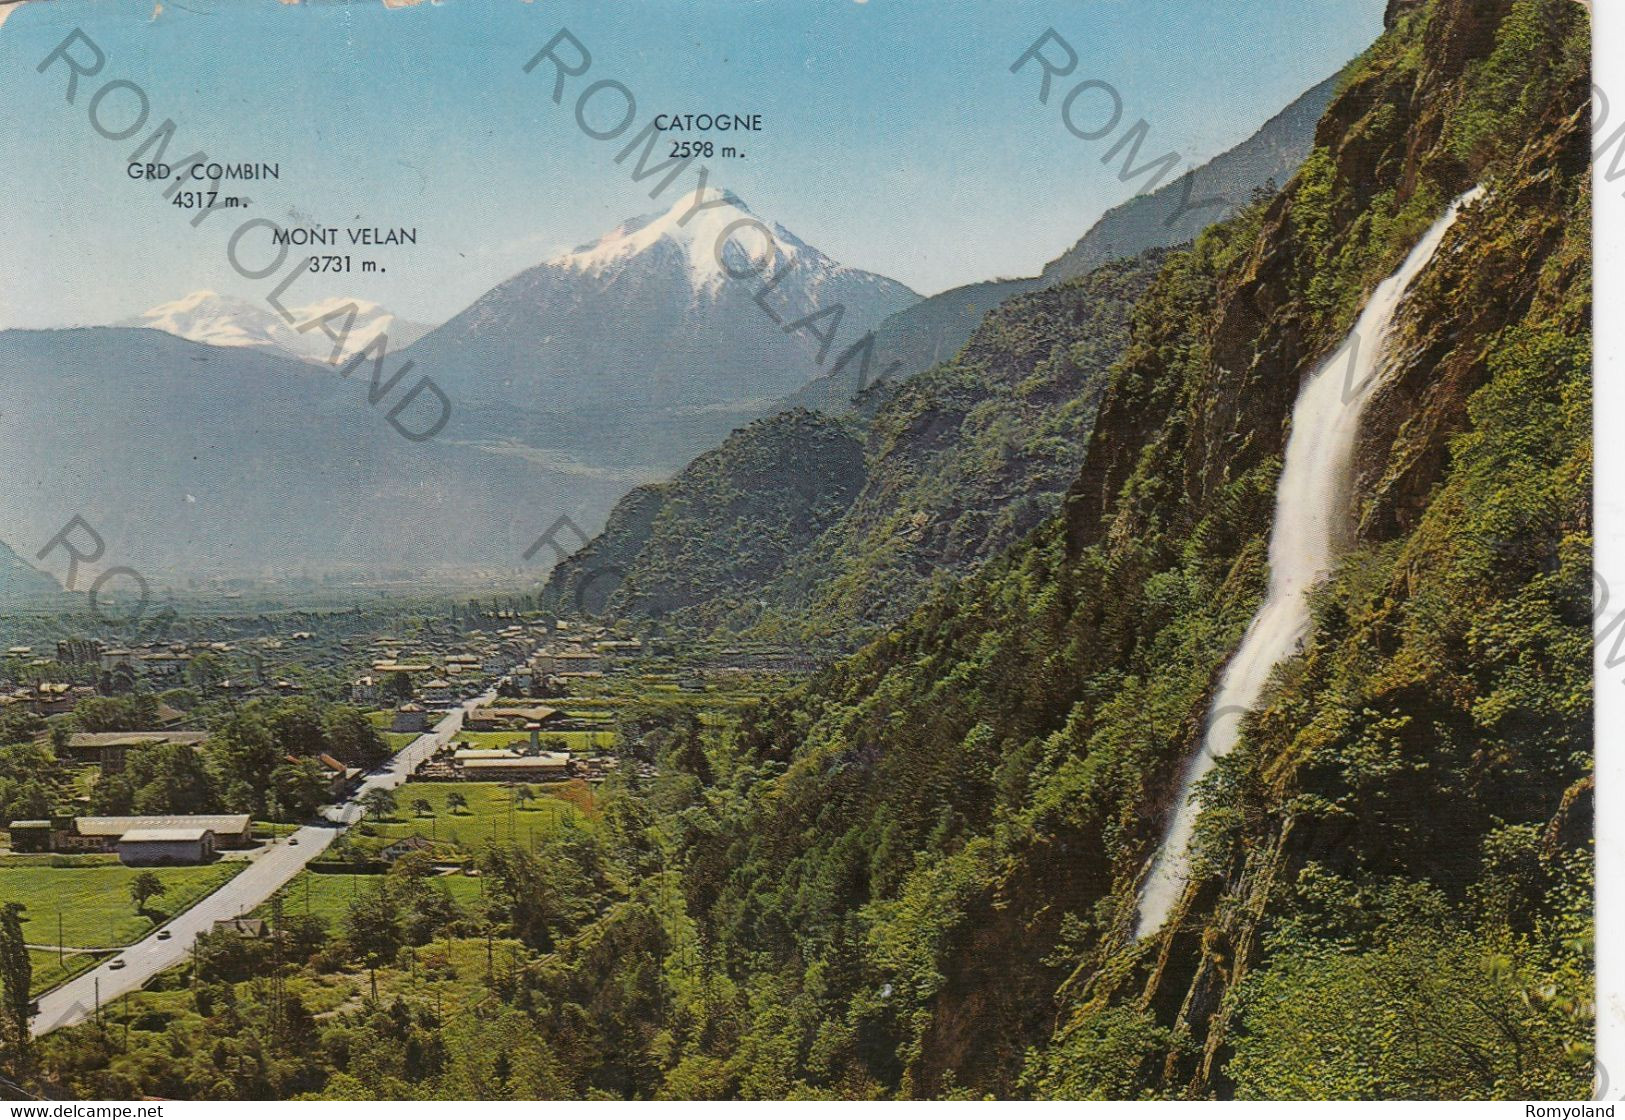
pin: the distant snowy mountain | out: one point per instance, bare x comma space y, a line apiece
225, 448
225, 321
719, 240
696, 306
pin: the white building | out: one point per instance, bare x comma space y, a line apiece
154, 847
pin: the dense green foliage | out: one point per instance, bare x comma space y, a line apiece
691, 548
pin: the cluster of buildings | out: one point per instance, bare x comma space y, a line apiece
523, 760
573, 655
138, 841
47, 698
439, 672
154, 666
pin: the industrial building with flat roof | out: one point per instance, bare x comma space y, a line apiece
544, 767
231, 829
143, 840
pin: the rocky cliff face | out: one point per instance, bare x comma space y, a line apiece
1505, 304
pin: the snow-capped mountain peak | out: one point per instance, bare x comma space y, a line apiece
716, 233
702, 304
219, 320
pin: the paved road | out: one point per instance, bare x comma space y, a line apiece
77, 1000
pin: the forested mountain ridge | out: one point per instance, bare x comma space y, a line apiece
963, 461
723, 528
921, 877
954, 465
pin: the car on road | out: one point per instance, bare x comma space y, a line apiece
164, 935
293, 841
118, 962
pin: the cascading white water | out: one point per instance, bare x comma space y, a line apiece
1312, 520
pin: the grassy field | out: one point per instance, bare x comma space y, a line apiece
491, 813
48, 973
400, 740
95, 900
579, 742
329, 896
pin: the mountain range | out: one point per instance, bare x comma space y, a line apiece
21, 580
820, 530
219, 320
209, 435
661, 313
233, 444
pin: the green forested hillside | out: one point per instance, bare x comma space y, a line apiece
963, 461
722, 528
794, 531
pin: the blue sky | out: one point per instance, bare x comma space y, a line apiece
895, 138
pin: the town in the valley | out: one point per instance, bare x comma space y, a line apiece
250, 780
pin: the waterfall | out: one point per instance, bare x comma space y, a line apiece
1313, 519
